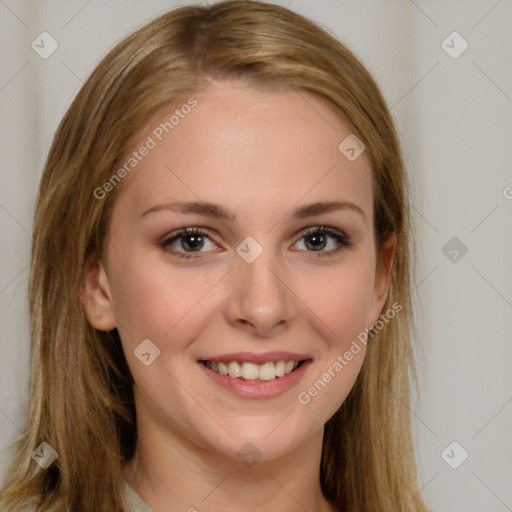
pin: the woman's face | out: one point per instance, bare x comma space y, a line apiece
259, 285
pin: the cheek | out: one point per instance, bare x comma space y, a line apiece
342, 303
159, 301
341, 299
156, 300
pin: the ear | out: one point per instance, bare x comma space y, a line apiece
96, 297
382, 279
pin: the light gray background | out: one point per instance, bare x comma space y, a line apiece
454, 117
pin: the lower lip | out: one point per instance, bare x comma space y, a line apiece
258, 390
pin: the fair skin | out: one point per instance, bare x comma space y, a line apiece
261, 155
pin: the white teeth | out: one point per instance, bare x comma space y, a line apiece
252, 371
267, 371
234, 370
280, 369
223, 369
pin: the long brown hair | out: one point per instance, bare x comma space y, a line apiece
81, 389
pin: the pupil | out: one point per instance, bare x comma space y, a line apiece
193, 242
318, 241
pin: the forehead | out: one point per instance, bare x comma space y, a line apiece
248, 149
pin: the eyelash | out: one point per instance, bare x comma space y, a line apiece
340, 237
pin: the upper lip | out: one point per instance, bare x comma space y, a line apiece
265, 357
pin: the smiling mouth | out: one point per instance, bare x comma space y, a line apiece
253, 372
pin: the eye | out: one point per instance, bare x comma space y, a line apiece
190, 240
318, 238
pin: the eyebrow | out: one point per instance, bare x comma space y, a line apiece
218, 211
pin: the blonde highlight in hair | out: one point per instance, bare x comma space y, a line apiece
81, 388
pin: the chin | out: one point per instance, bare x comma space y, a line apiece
264, 440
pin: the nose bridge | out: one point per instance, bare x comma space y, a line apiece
259, 294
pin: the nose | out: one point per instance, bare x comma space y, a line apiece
260, 299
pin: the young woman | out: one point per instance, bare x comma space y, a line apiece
220, 284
